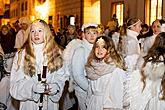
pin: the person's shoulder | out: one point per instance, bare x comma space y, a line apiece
20, 32
74, 44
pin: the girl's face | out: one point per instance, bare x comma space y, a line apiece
137, 28
37, 33
91, 35
100, 50
156, 27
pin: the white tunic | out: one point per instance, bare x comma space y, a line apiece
107, 90
21, 84
135, 98
140, 98
79, 60
148, 42
131, 45
154, 73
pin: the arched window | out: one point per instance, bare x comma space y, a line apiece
153, 10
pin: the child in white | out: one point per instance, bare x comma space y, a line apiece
40, 50
78, 61
131, 45
105, 71
153, 73
147, 81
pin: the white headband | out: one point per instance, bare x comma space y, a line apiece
134, 23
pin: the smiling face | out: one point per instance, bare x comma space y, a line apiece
100, 50
37, 33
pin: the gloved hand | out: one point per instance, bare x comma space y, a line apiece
38, 88
54, 89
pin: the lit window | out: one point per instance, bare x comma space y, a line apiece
118, 10
72, 20
153, 10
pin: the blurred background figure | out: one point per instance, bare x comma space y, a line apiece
24, 23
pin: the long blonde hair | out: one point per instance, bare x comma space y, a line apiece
51, 50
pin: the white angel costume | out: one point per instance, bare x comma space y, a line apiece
131, 45
154, 73
148, 42
135, 98
106, 86
21, 84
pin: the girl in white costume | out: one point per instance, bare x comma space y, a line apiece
78, 61
131, 51
105, 71
149, 41
131, 45
147, 81
40, 53
153, 73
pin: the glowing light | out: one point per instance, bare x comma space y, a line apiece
42, 10
72, 20
92, 13
96, 12
32, 18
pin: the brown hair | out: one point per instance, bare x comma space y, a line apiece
153, 56
112, 54
132, 21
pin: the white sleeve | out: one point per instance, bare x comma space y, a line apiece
147, 44
117, 88
58, 79
78, 68
21, 84
131, 61
131, 47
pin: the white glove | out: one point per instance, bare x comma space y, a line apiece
38, 88
53, 88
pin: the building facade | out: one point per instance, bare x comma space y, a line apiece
145, 10
61, 13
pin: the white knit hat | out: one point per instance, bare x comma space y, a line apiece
87, 25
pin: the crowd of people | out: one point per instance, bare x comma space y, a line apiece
94, 67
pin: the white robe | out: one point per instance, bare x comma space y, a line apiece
134, 97
131, 45
140, 98
78, 62
5, 96
107, 91
148, 42
154, 73
21, 85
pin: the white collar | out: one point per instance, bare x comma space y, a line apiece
38, 46
87, 44
132, 33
